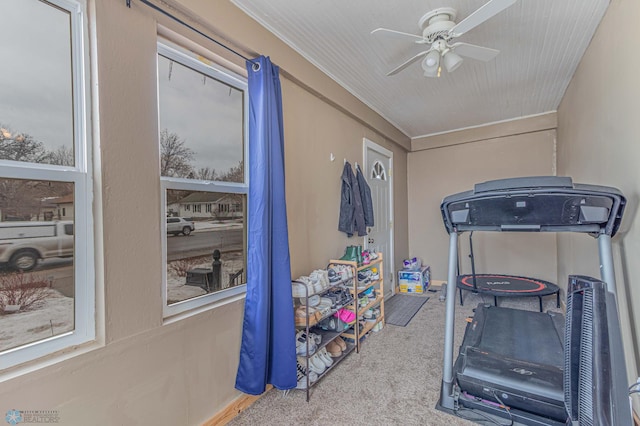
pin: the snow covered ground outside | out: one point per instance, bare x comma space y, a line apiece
178, 290
55, 314
51, 317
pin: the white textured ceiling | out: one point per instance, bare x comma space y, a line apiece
540, 42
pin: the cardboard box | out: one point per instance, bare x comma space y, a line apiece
414, 281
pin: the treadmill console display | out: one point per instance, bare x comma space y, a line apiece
536, 211
528, 205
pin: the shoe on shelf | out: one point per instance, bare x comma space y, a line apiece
347, 271
335, 299
338, 340
363, 279
301, 344
325, 357
367, 292
372, 255
347, 298
316, 284
301, 374
350, 254
302, 287
315, 338
329, 324
316, 365
325, 277
333, 349
302, 313
373, 275
341, 272
320, 282
345, 315
313, 301
324, 307
334, 277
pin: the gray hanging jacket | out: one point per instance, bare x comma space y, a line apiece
365, 196
351, 219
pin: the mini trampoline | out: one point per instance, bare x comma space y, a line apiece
501, 285
507, 285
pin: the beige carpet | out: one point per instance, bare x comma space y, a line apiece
394, 380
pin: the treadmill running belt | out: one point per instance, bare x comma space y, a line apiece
514, 356
527, 336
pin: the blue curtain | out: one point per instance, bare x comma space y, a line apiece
267, 352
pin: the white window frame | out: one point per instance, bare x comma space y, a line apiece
211, 300
81, 176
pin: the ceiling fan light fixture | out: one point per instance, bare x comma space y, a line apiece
432, 72
439, 29
451, 61
431, 63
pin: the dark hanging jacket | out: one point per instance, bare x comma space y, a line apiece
365, 196
347, 206
358, 214
351, 218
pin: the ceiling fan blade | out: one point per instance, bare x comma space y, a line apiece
474, 52
409, 62
486, 11
398, 34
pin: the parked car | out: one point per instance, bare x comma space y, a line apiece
22, 244
179, 225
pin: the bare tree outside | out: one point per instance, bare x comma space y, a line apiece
22, 199
62, 156
175, 156
21, 147
234, 174
207, 173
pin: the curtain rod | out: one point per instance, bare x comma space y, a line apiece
256, 65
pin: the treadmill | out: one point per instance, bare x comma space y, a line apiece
513, 358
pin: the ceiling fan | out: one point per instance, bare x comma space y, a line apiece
439, 29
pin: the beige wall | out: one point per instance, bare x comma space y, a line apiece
435, 173
598, 130
184, 372
313, 181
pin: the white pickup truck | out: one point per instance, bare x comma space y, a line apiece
22, 244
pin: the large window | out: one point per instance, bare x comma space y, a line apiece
204, 181
46, 247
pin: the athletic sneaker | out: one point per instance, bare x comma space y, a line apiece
333, 276
301, 344
363, 279
301, 374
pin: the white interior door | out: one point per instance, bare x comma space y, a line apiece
378, 168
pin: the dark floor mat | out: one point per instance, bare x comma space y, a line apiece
401, 308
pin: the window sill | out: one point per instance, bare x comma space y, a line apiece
224, 298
